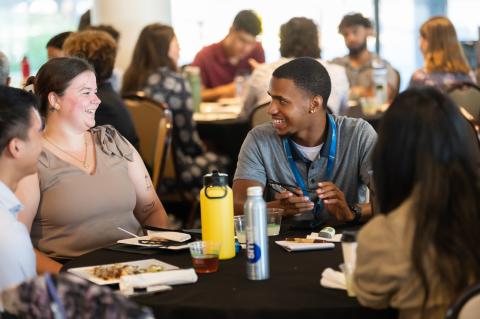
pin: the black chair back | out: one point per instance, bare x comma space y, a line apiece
467, 306
467, 95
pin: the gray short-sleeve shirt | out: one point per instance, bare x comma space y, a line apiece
263, 157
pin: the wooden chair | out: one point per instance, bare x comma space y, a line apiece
173, 172
153, 123
467, 306
260, 115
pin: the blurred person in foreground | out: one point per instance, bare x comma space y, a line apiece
326, 157
298, 38
4, 70
444, 63
359, 63
236, 55
100, 50
154, 70
421, 252
20, 146
55, 45
90, 179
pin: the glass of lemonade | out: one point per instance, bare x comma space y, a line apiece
239, 223
274, 221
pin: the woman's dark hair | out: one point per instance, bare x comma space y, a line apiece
428, 151
150, 53
299, 37
55, 76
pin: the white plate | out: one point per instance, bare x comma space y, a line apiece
87, 272
135, 242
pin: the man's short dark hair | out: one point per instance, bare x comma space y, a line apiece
354, 19
248, 21
15, 115
106, 28
307, 74
58, 40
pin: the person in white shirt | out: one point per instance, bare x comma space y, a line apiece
20, 146
298, 38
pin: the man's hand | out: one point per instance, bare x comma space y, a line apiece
294, 202
254, 63
334, 201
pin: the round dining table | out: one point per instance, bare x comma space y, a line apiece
292, 291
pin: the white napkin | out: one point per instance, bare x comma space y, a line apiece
170, 235
149, 290
294, 246
170, 277
333, 279
336, 238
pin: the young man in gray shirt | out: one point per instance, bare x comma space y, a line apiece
325, 158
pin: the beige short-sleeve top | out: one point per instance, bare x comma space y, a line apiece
79, 212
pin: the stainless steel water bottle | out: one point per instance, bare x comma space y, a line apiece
255, 211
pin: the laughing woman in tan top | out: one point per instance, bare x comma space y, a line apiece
423, 251
90, 179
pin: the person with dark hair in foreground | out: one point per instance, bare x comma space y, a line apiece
327, 157
236, 54
20, 146
422, 251
55, 45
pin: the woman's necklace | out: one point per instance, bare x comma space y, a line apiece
85, 157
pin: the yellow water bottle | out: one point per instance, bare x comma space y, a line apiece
216, 208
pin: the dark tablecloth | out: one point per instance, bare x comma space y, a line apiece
293, 290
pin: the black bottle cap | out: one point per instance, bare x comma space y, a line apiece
349, 236
215, 179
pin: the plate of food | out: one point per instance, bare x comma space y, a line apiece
111, 273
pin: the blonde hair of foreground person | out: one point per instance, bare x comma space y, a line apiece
66, 88
440, 47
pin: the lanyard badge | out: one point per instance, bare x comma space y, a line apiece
328, 173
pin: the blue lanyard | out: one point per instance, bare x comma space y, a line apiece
332, 152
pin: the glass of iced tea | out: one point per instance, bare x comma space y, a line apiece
204, 256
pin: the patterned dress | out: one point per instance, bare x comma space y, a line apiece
193, 161
441, 80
